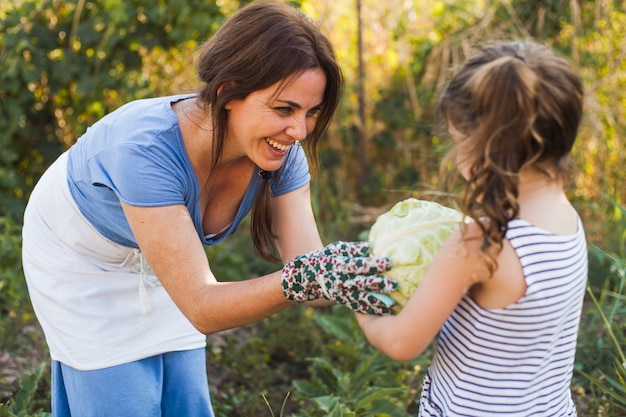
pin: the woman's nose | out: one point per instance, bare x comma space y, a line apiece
297, 128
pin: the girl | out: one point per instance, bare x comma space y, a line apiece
505, 291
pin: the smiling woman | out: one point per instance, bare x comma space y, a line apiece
267, 122
114, 231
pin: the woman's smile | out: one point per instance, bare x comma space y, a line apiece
277, 147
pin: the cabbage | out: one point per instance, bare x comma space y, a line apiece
410, 234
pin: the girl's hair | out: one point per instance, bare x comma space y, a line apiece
517, 105
264, 43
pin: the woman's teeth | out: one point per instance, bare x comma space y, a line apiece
276, 145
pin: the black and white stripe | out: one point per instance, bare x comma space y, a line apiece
518, 360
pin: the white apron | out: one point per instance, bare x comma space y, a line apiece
99, 304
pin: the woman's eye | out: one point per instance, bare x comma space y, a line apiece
284, 110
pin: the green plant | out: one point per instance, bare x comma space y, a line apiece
63, 65
282, 410
254, 365
12, 287
350, 378
19, 406
15, 307
601, 362
609, 307
350, 391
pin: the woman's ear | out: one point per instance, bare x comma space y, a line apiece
225, 85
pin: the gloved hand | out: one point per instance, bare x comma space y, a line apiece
341, 272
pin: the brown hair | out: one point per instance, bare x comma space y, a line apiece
518, 105
264, 43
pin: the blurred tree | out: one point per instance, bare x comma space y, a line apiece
409, 49
65, 64
601, 55
397, 39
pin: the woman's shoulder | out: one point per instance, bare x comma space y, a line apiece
137, 123
156, 112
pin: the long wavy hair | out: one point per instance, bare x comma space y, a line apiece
518, 105
264, 43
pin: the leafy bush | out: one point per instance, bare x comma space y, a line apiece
63, 65
601, 361
351, 378
21, 404
15, 307
12, 287
255, 364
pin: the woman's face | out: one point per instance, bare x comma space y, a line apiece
267, 122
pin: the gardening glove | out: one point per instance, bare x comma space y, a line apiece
341, 272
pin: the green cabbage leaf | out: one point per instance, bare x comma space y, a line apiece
410, 234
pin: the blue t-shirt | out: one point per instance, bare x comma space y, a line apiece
136, 154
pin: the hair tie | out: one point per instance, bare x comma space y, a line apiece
266, 175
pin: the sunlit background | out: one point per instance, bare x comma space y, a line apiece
65, 64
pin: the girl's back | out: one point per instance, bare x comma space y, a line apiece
517, 360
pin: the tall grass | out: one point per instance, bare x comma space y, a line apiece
601, 361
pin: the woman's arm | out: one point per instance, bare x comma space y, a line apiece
169, 241
296, 229
294, 224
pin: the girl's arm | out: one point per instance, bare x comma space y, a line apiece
456, 267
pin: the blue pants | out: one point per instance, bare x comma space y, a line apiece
167, 385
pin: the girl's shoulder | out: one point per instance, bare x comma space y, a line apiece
506, 284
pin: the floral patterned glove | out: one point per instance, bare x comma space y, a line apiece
341, 272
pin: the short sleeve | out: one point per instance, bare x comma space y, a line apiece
141, 176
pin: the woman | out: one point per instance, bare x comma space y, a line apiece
114, 231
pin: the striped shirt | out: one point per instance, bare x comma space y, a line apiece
517, 360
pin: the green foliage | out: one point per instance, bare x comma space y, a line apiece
13, 294
339, 392
63, 65
253, 366
611, 384
350, 378
21, 404
234, 259
603, 336
18, 338
15, 307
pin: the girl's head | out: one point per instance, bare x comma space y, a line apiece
513, 106
265, 43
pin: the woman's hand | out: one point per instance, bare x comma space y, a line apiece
341, 272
